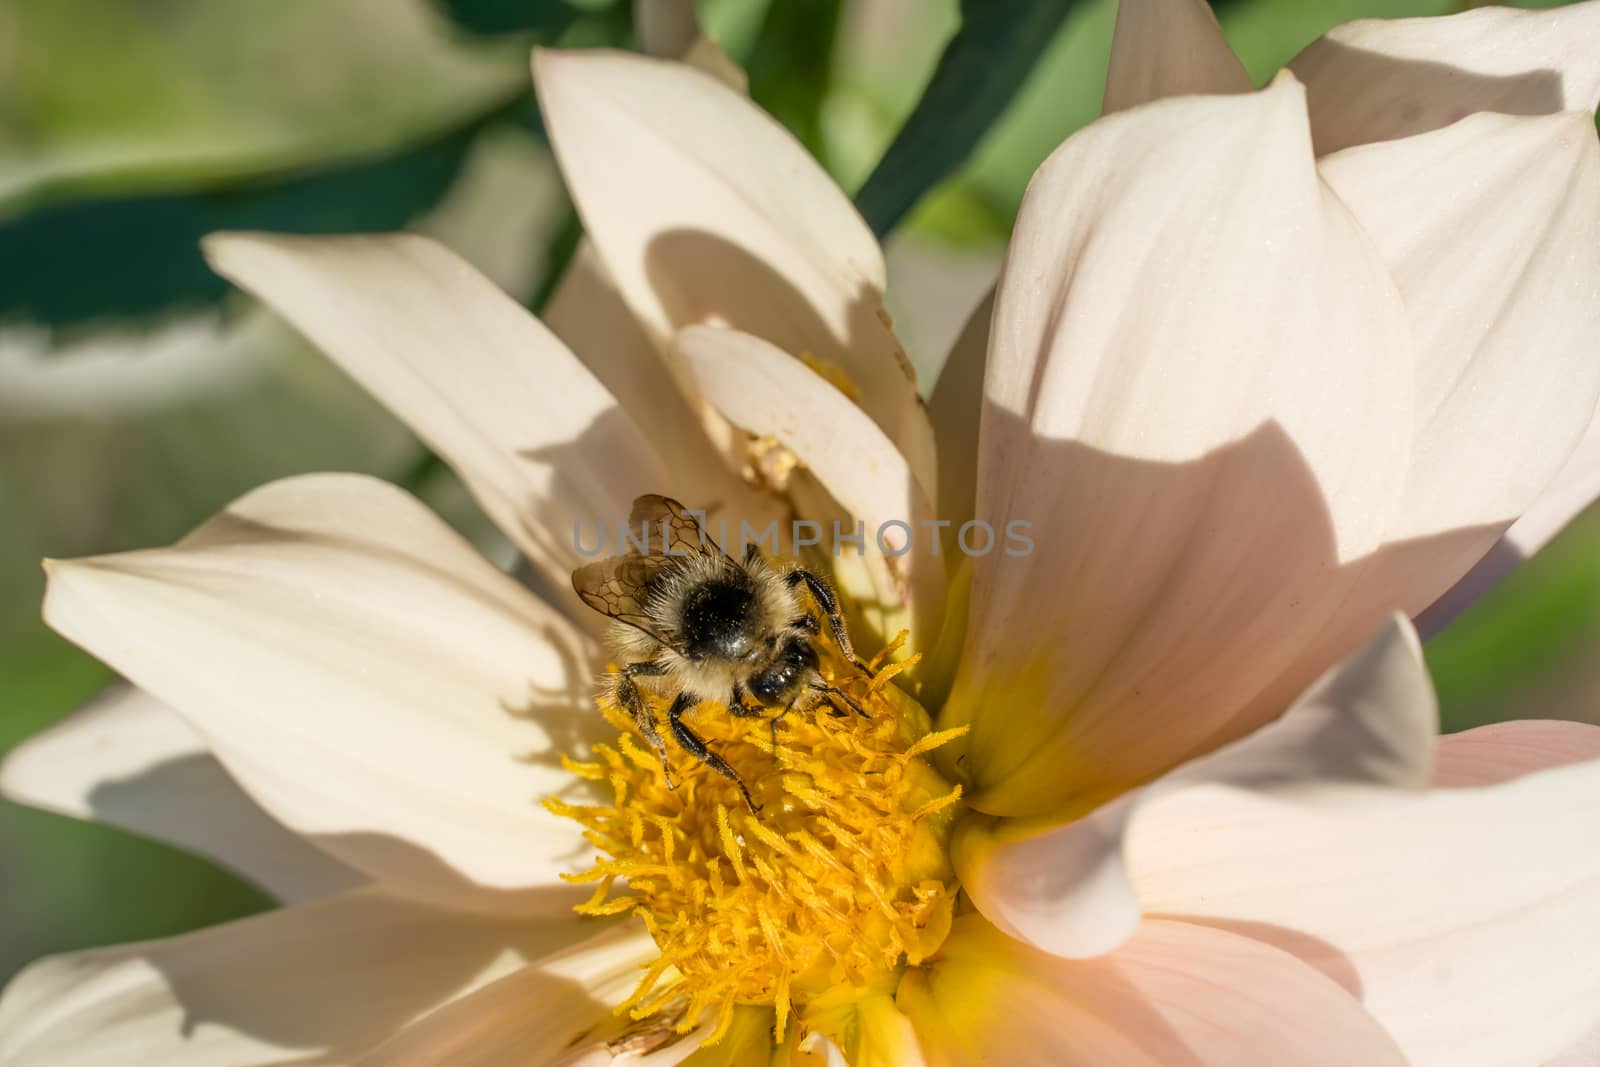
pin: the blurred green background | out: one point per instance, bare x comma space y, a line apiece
137, 395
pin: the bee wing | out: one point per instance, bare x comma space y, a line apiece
617, 587
682, 529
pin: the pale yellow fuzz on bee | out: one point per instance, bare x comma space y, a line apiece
840, 881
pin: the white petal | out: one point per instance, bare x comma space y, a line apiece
1584, 1052
126, 759
1491, 229
1380, 79
706, 210
1505, 750
587, 313
698, 446
956, 407
760, 389
1174, 994
325, 981
1466, 920
369, 680
1066, 890
534, 1015
1199, 395
540, 443
1167, 48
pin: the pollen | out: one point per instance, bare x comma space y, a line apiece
838, 882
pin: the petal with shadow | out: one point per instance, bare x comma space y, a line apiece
761, 389
956, 408
1067, 889
706, 210
1190, 325
320, 982
537, 439
701, 450
1165, 48
1466, 920
1502, 751
127, 760
1175, 995
1491, 228
1380, 79
369, 679
534, 1015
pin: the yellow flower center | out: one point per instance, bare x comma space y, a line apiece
841, 880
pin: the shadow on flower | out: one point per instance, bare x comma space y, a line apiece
1170, 607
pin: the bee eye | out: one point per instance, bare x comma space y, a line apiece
765, 687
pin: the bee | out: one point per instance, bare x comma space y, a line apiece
689, 619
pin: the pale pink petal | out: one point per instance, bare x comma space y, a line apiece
1189, 324
537, 439
760, 389
1371, 721
1380, 79
533, 1016
1491, 228
1176, 995
1167, 48
128, 760
1584, 1052
1506, 750
706, 210
319, 983
364, 674
1466, 920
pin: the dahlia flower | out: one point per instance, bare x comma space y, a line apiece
1266, 373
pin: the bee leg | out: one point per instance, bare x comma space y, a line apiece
772, 724
628, 696
829, 692
696, 747
823, 594
738, 707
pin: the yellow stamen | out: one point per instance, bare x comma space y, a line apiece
840, 880
771, 463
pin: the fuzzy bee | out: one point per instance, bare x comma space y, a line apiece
690, 620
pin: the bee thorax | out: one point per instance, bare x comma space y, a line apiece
720, 619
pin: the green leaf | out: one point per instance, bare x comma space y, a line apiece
1526, 650
544, 17
1064, 91
111, 97
70, 263
982, 67
790, 65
